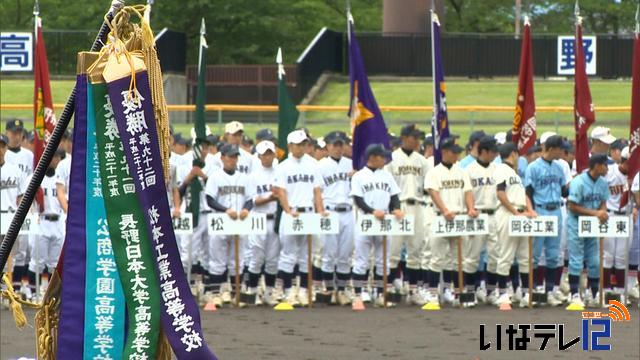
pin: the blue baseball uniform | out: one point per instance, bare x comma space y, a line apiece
591, 194
466, 161
547, 179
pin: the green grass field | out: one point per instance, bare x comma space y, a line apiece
409, 93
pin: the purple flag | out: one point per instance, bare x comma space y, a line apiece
440, 120
367, 124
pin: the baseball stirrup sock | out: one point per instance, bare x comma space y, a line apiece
550, 278
574, 283
594, 284
270, 280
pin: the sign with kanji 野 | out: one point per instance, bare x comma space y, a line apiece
538, 226
28, 226
222, 224
461, 225
16, 51
309, 224
615, 227
566, 54
183, 225
370, 226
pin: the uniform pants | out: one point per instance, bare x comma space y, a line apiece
550, 244
21, 250
614, 252
264, 250
338, 248
363, 247
293, 251
444, 254
508, 247
47, 246
472, 248
414, 244
194, 248
581, 251
429, 214
222, 255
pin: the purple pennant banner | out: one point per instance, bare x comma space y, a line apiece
180, 315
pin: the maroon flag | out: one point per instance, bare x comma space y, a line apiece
524, 120
633, 164
44, 120
583, 112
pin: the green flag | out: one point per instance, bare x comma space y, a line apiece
201, 96
287, 112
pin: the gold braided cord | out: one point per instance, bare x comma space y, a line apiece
16, 302
47, 320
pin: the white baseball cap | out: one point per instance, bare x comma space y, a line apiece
603, 134
625, 153
233, 127
296, 137
265, 145
500, 137
321, 143
545, 135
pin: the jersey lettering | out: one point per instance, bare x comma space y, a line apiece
616, 189
481, 182
264, 188
408, 170
452, 184
306, 178
334, 178
230, 189
376, 186
9, 183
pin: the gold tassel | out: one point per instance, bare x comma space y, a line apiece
47, 320
164, 351
16, 303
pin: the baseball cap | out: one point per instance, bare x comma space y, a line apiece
15, 125
265, 134
450, 144
4, 139
506, 149
320, 143
500, 137
618, 144
229, 150
428, 140
603, 134
598, 159
334, 137
181, 141
247, 140
534, 149
488, 143
476, 136
213, 139
545, 135
625, 153
297, 137
411, 130
553, 141
233, 127
376, 150
264, 146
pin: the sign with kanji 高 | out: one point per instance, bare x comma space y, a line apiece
183, 225
16, 51
538, 226
309, 224
370, 226
615, 227
222, 224
461, 225
566, 54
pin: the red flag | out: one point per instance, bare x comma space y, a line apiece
524, 120
44, 120
634, 127
583, 112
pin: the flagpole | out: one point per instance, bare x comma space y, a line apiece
36, 16
50, 149
433, 77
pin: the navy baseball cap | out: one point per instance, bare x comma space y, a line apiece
376, 150
476, 136
619, 144
534, 149
212, 139
15, 125
334, 137
596, 159
229, 150
4, 139
411, 130
488, 143
506, 149
265, 134
428, 140
450, 144
554, 141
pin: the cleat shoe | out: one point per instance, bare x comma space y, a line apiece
576, 303
593, 301
417, 298
524, 300
270, 298
492, 299
343, 298
380, 302
365, 296
517, 295
291, 298
481, 295
448, 297
397, 285
303, 297
503, 299
552, 300
633, 293
559, 295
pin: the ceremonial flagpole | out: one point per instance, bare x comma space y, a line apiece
52, 145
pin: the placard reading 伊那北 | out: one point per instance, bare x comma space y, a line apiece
222, 224
27, 226
616, 226
183, 225
370, 226
461, 225
537, 226
309, 224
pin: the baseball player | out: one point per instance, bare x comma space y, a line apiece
12, 187
512, 201
298, 186
233, 133
545, 183
409, 168
64, 168
481, 173
228, 191
451, 192
264, 248
374, 191
48, 243
588, 194
336, 171
601, 140
472, 155
614, 259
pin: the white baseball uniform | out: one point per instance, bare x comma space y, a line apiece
48, 242
231, 191
338, 248
375, 187
63, 171
23, 159
264, 249
615, 248
245, 161
12, 185
510, 248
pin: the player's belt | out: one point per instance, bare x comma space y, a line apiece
206, 211
270, 216
303, 209
617, 212
414, 202
550, 207
487, 211
339, 208
51, 217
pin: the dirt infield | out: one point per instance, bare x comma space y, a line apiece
401, 333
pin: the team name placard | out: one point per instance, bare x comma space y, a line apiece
390, 225
310, 224
461, 225
538, 226
183, 225
222, 224
616, 226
